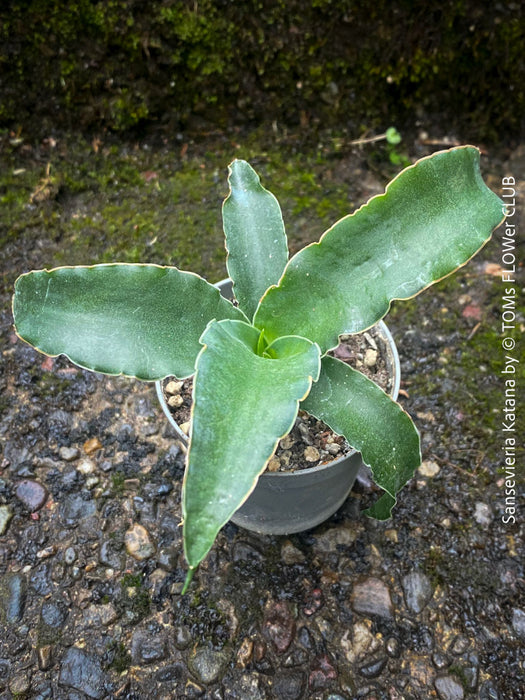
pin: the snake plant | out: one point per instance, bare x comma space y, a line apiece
256, 362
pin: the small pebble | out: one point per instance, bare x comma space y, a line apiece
322, 673
311, 454
393, 647
44, 656
207, 664
429, 468
372, 668
290, 554
86, 466
20, 684
175, 401
274, 464
305, 433
46, 552
100, 615
138, 543
371, 597
313, 602
370, 358
173, 387
518, 622
483, 514
448, 688
392, 536
13, 595
286, 457
92, 445
279, 625
5, 516
287, 442
147, 647
69, 454
185, 427
440, 661
426, 415
487, 691
370, 340
53, 615
70, 555
333, 538
82, 671
245, 652
182, 637
32, 494
459, 645
74, 508
418, 591
289, 684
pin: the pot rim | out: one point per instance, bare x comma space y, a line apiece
394, 393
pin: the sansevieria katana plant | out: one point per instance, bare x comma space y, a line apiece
255, 364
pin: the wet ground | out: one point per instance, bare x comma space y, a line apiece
428, 605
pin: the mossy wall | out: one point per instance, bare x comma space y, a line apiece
123, 63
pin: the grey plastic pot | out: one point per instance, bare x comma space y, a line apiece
286, 502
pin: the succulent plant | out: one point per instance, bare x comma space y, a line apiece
256, 361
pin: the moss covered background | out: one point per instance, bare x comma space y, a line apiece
124, 64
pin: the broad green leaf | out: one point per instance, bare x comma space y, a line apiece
371, 422
255, 237
432, 219
139, 320
242, 405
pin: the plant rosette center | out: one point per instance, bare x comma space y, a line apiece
311, 442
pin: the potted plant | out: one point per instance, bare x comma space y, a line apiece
256, 362
299, 495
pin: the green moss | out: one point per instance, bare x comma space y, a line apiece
117, 483
123, 63
134, 598
50, 384
121, 658
135, 205
433, 566
473, 572
460, 673
206, 622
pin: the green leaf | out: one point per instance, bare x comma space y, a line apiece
432, 219
255, 236
242, 405
139, 320
371, 422
393, 136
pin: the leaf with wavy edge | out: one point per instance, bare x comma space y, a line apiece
255, 236
433, 217
242, 405
143, 321
372, 422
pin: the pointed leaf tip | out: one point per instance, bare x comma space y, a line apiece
255, 236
